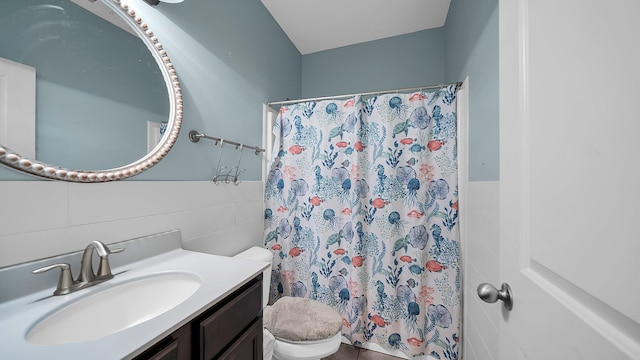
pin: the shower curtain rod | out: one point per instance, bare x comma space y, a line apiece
286, 102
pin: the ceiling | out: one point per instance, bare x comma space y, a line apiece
327, 24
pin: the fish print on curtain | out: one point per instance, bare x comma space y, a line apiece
362, 214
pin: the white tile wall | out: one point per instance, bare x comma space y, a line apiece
481, 250
39, 219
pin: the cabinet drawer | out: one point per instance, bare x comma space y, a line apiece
176, 346
221, 328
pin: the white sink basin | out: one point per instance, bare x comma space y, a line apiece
114, 309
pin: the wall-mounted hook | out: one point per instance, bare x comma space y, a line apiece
236, 180
228, 177
218, 168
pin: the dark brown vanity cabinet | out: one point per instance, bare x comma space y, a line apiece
231, 329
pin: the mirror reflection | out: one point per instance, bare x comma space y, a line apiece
98, 89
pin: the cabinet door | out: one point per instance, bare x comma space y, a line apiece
248, 346
227, 323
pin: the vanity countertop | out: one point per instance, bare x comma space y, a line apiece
219, 276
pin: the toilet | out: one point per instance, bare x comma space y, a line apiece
279, 348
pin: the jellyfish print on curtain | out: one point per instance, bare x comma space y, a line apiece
362, 214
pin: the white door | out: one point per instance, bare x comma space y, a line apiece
269, 116
18, 107
570, 178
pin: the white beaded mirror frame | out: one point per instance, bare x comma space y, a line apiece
13, 160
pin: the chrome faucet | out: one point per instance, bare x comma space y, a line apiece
87, 277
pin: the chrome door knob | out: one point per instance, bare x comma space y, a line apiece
489, 293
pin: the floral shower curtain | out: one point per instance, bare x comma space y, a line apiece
362, 214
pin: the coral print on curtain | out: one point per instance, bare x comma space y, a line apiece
362, 214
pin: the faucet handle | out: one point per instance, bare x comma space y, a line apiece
115, 251
104, 269
64, 281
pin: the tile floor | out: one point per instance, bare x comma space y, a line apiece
348, 352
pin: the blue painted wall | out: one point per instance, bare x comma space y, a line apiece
410, 60
471, 35
231, 57
467, 46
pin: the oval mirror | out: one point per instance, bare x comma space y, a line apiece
109, 105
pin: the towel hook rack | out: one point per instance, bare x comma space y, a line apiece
222, 172
195, 136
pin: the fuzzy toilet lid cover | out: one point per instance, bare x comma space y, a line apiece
297, 319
